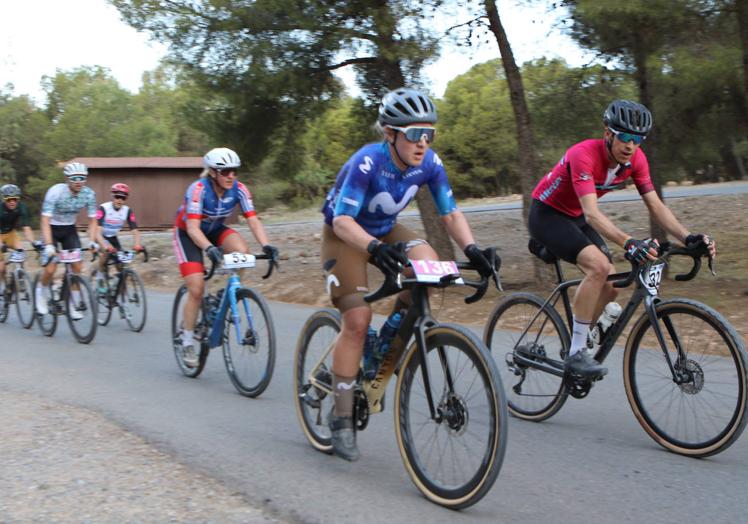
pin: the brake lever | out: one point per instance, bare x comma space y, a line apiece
711, 267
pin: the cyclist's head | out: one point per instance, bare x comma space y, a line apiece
10, 192
625, 116
76, 174
412, 114
120, 192
221, 164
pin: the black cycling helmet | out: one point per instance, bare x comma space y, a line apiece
628, 117
10, 191
405, 106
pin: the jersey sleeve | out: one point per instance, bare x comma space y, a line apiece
194, 200
640, 173
350, 198
245, 200
91, 204
23, 217
100, 214
132, 224
48, 206
440, 189
581, 166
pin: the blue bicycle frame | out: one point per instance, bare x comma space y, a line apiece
229, 300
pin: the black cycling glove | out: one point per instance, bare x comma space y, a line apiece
271, 252
697, 239
485, 261
637, 250
391, 259
215, 254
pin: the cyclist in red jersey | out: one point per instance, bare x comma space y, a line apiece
565, 217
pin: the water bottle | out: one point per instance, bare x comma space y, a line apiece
610, 314
370, 354
388, 332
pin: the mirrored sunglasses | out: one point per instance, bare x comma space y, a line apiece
415, 134
628, 137
226, 172
77, 178
119, 196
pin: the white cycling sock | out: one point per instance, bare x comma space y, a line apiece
76, 293
187, 338
579, 335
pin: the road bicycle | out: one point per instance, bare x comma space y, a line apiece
17, 289
124, 291
61, 300
684, 366
237, 319
450, 409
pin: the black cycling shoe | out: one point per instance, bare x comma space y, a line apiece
344, 438
582, 363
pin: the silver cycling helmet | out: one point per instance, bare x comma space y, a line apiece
75, 168
10, 191
405, 106
221, 158
628, 117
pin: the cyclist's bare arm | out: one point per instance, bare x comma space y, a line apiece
28, 234
46, 229
458, 228
196, 234
93, 229
346, 228
664, 216
600, 221
255, 225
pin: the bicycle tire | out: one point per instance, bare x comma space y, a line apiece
47, 323
313, 404
103, 307
87, 304
711, 361
532, 394
258, 355
460, 411
5, 297
24, 297
133, 293
176, 340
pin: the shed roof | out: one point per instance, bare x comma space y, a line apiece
142, 162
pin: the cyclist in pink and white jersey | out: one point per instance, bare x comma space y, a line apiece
565, 217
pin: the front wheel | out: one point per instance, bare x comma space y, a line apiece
702, 410
454, 456
5, 298
249, 344
133, 301
47, 323
312, 369
103, 302
24, 291
176, 336
80, 309
521, 331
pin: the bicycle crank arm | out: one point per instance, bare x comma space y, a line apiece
549, 366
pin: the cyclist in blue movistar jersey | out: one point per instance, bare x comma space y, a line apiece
360, 211
59, 211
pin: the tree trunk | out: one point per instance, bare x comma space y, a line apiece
525, 141
742, 12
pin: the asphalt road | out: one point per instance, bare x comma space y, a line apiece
592, 462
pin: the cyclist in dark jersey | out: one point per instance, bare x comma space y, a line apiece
200, 228
565, 217
14, 216
360, 226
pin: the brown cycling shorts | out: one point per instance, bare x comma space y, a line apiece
345, 266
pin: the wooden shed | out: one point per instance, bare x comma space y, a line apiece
157, 184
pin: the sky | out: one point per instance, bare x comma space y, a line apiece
38, 37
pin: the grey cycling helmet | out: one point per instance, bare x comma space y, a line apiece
75, 168
405, 106
10, 191
221, 158
628, 116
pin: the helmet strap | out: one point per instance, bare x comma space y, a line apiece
397, 154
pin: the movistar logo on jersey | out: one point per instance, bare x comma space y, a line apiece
366, 165
385, 201
387, 174
413, 173
437, 160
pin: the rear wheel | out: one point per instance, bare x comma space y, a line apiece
514, 338
703, 412
250, 360
102, 291
47, 323
24, 291
80, 309
312, 368
176, 336
133, 300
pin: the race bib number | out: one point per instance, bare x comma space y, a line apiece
68, 256
125, 257
651, 279
238, 260
434, 270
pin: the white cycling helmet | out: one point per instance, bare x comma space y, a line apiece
221, 158
75, 168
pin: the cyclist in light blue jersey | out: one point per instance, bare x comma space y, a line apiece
59, 211
361, 227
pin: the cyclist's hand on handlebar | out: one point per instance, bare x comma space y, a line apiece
391, 259
486, 261
640, 250
700, 239
110, 248
271, 252
215, 254
94, 246
49, 250
138, 248
38, 245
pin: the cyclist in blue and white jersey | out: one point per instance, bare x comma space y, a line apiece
59, 211
360, 211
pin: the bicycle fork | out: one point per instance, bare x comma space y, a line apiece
679, 370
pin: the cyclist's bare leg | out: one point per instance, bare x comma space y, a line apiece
48, 273
234, 243
195, 288
596, 268
346, 357
608, 294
